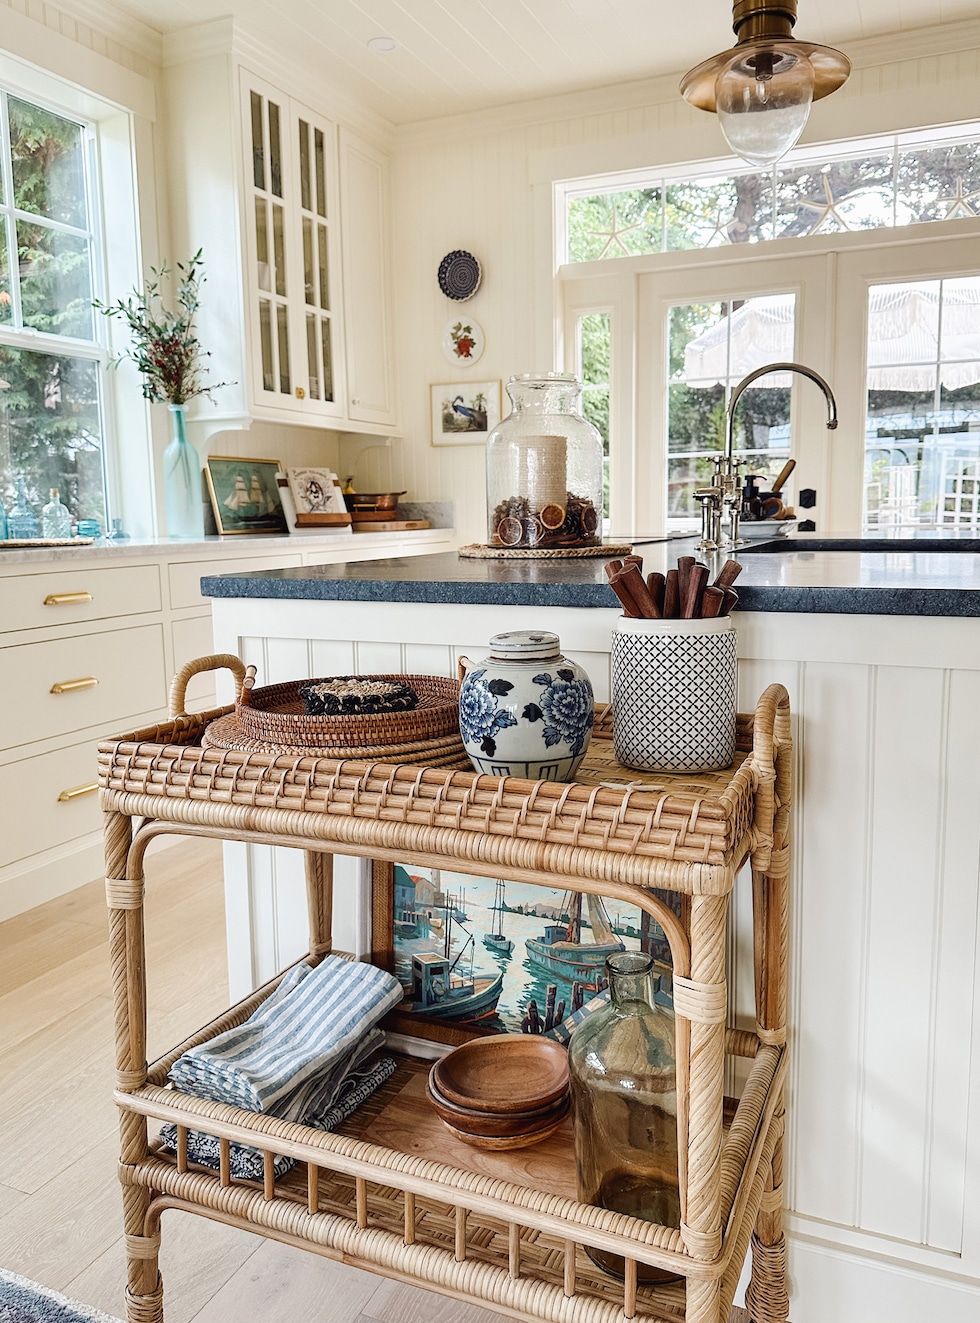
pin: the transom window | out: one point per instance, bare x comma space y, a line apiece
898, 180
51, 432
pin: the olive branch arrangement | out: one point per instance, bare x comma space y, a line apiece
165, 347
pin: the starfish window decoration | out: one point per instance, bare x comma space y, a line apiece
614, 235
961, 204
826, 210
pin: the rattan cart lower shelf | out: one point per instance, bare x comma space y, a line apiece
391, 1191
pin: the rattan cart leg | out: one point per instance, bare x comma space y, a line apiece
703, 1300
319, 901
767, 1297
124, 897
702, 1000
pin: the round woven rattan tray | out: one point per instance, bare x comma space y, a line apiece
443, 751
480, 551
274, 715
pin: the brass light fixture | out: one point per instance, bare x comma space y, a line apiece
763, 87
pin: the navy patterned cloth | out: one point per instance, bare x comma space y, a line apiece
247, 1163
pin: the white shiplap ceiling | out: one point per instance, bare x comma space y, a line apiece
461, 55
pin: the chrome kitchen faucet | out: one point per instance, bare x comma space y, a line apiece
725, 491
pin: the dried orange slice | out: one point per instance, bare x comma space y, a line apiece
552, 516
510, 531
590, 520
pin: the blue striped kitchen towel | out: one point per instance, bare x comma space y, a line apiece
247, 1163
309, 1027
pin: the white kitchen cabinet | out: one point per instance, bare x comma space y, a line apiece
88, 643
292, 251
293, 256
364, 202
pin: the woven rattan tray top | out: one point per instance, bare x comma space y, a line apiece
275, 714
623, 818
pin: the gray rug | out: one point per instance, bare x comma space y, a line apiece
24, 1301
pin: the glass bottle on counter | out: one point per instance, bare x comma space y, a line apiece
624, 1099
544, 468
21, 521
55, 518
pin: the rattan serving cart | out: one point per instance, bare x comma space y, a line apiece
388, 1192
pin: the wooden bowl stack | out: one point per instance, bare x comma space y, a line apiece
504, 1092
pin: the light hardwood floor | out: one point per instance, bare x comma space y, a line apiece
60, 1212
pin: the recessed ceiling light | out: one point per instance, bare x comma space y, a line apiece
382, 45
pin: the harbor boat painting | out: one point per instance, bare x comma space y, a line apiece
496, 940
561, 950
479, 955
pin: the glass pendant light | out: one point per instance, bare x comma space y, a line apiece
763, 89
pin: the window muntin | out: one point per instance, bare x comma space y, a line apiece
922, 444
711, 347
887, 182
51, 417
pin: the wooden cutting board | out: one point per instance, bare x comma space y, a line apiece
390, 525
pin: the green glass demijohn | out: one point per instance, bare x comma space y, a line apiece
624, 1098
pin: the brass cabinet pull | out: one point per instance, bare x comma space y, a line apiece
69, 686
67, 599
76, 792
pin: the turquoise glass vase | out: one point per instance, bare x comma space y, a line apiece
182, 482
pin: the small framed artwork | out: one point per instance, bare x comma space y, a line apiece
464, 413
477, 955
316, 491
245, 495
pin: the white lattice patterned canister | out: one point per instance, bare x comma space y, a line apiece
674, 688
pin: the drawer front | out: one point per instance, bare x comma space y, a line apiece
193, 637
65, 597
186, 576
48, 801
128, 665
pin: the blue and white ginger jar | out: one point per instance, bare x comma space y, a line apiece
525, 710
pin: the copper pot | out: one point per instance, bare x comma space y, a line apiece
372, 500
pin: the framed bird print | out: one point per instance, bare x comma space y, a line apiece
464, 413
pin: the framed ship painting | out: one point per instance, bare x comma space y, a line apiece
478, 955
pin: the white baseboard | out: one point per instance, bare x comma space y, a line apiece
42, 877
830, 1285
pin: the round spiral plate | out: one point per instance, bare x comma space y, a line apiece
459, 275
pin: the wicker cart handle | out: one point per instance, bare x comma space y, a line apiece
178, 687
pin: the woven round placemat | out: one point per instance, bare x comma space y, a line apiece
479, 551
443, 751
275, 715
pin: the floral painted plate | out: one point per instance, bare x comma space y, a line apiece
462, 341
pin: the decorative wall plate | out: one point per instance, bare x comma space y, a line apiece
459, 275
462, 341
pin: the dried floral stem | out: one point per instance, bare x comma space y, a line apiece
165, 347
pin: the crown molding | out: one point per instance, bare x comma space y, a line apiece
132, 33
870, 52
304, 80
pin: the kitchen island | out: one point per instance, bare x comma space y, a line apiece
880, 652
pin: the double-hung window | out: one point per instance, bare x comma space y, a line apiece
51, 416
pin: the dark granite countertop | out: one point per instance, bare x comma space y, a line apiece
905, 576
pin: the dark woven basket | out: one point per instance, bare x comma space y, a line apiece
275, 715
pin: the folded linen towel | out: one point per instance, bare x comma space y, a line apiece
247, 1163
310, 1026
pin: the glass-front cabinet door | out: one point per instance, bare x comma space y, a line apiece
292, 248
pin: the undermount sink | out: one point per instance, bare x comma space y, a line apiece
927, 542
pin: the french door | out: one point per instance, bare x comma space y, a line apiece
683, 329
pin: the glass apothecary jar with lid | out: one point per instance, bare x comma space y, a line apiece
544, 468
